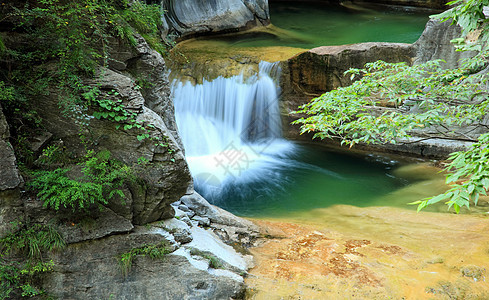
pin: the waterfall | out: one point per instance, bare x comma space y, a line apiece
231, 127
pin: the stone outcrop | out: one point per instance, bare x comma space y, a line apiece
434, 43
321, 69
191, 17
10, 179
199, 266
314, 72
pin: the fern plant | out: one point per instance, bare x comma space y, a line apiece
102, 179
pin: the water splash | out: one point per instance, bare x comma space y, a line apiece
231, 130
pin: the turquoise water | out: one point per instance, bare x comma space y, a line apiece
312, 177
287, 178
309, 25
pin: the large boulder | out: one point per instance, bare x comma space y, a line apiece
314, 72
93, 270
434, 43
192, 17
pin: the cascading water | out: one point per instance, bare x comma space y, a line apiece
227, 112
231, 130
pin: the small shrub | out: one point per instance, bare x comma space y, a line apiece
21, 260
214, 262
156, 251
101, 181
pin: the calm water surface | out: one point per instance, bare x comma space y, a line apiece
310, 177
309, 25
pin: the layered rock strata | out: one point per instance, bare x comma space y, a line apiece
187, 18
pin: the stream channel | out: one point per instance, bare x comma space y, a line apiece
231, 127
338, 224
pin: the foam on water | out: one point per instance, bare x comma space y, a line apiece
231, 129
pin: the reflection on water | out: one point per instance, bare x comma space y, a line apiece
314, 24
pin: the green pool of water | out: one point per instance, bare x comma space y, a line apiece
313, 24
314, 177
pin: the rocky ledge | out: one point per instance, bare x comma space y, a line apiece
201, 263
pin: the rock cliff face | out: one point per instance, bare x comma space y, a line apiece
434, 43
199, 263
192, 17
10, 179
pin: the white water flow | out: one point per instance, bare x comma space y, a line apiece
231, 130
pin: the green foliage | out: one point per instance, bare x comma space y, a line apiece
144, 19
7, 94
22, 119
418, 97
156, 251
439, 97
468, 177
102, 179
21, 260
65, 43
108, 107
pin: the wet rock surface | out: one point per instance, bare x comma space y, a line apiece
372, 253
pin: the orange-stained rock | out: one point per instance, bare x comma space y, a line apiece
346, 252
